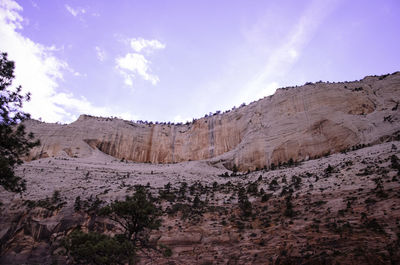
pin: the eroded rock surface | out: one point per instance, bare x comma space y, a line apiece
295, 123
340, 209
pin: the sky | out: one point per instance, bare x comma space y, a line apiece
175, 60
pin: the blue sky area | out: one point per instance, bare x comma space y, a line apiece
178, 60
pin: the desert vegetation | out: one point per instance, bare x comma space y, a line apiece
322, 210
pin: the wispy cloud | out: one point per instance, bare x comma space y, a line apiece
75, 11
141, 44
283, 57
34, 4
136, 64
101, 53
39, 71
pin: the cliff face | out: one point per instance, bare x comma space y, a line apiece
295, 123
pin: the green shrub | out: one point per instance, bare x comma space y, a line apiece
95, 248
244, 203
252, 188
166, 251
51, 204
273, 185
374, 226
395, 162
136, 215
289, 212
235, 169
265, 197
77, 204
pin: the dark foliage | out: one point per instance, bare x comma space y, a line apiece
95, 248
14, 141
235, 168
136, 215
244, 203
395, 162
51, 204
289, 212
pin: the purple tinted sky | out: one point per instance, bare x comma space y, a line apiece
205, 55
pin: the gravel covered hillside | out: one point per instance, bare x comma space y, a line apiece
343, 208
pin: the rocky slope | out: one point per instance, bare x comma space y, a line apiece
340, 209
295, 123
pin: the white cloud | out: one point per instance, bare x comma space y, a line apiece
136, 64
9, 13
133, 64
75, 11
101, 54
268, 89
140, 44
67, 101
39, 71
75, 73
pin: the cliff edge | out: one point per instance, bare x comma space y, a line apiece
296, 123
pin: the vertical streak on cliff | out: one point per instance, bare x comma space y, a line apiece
150, 144
173, 134
305, 110
113, 147
211, 136
120, 144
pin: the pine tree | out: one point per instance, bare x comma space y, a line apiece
137, 215
14, 141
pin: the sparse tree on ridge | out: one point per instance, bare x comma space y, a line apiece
136, 215
14, 141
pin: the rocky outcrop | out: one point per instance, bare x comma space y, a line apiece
295, 123
344, 213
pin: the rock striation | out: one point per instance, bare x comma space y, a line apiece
296, 123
